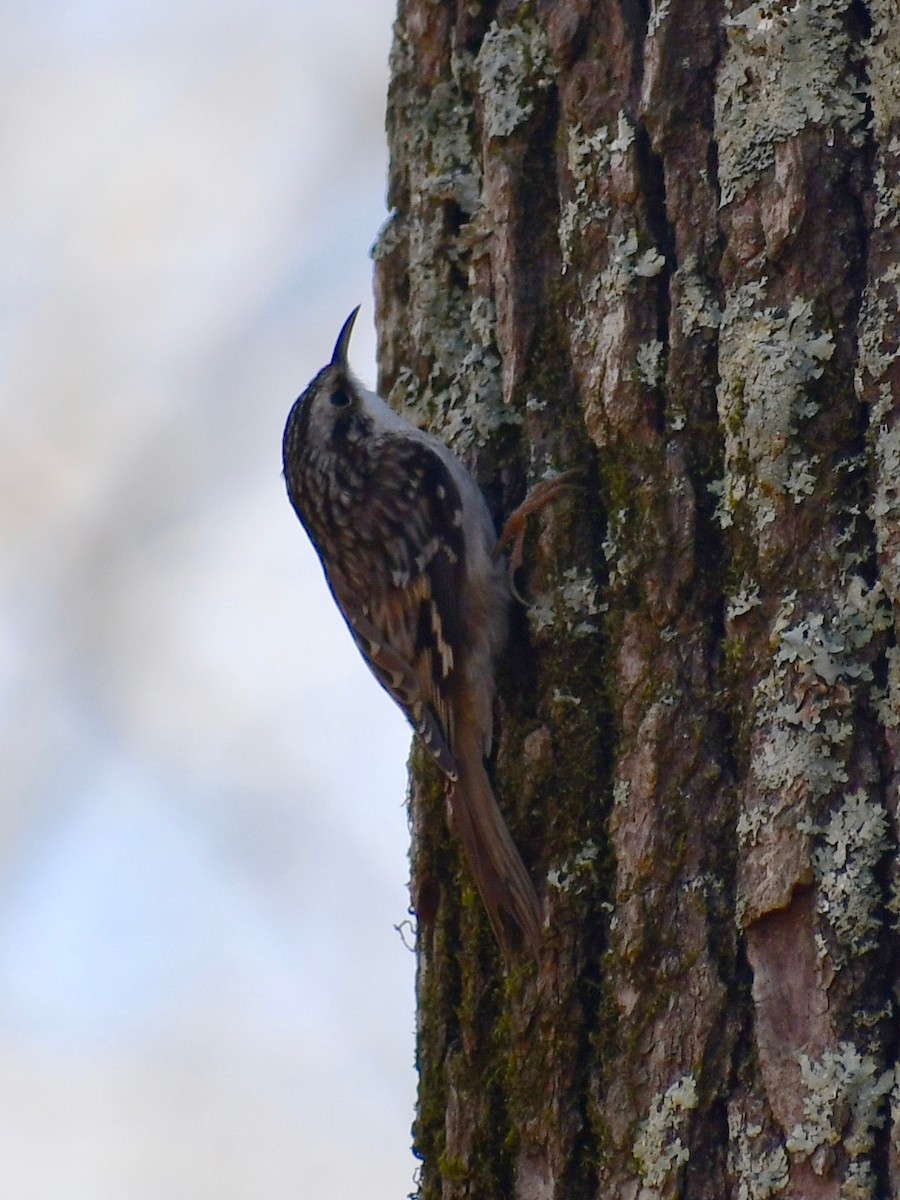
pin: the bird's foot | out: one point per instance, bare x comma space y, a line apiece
542, 494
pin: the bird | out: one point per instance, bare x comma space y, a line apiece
410, 554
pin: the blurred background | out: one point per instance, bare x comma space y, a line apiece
202, 992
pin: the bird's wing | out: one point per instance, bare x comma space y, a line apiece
400, 590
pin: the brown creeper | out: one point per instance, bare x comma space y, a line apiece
407, 545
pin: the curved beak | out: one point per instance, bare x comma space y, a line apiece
342, 345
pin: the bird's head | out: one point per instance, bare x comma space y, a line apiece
332, 409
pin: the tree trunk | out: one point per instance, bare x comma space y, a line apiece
663, 248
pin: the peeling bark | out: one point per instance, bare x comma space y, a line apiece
662, 247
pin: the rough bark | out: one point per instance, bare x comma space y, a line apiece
662, 246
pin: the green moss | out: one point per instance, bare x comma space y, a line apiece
453, 1170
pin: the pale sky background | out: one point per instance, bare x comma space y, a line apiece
203, 835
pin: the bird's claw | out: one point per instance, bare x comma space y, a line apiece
513, 531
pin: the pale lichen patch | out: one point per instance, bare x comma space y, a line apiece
462, 393
844, 1096
826, 648
766, 363
659, 11
576, 873
850, 847
801, 480
878, 350
801, 745
887, 701
619, 269
574, 606
650, 263
587, 157
658, 1148
696, 306
752, 822
624, 129
452, 323
621, 563
621, 792
474, 403
859, 1183
762, 1168
625, 263
744, 600
885, 506
513, 65
884, 80
786, 67
649, 362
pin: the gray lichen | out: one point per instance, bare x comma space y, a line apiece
850, 847
878, 318
762, 1168
697, 308
658, 1149
649, 362
786, 67
587, 158
845, 1092
884, 55
624, 263
576, 873
766, 363
659, 11
572, 606
887, 701
800, 752
462, 392
513, 64
826, 648
878, 351
621, 563
743, 601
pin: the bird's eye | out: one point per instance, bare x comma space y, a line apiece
339, 398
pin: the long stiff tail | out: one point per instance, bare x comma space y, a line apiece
496, 865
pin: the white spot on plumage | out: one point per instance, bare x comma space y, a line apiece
443, 648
